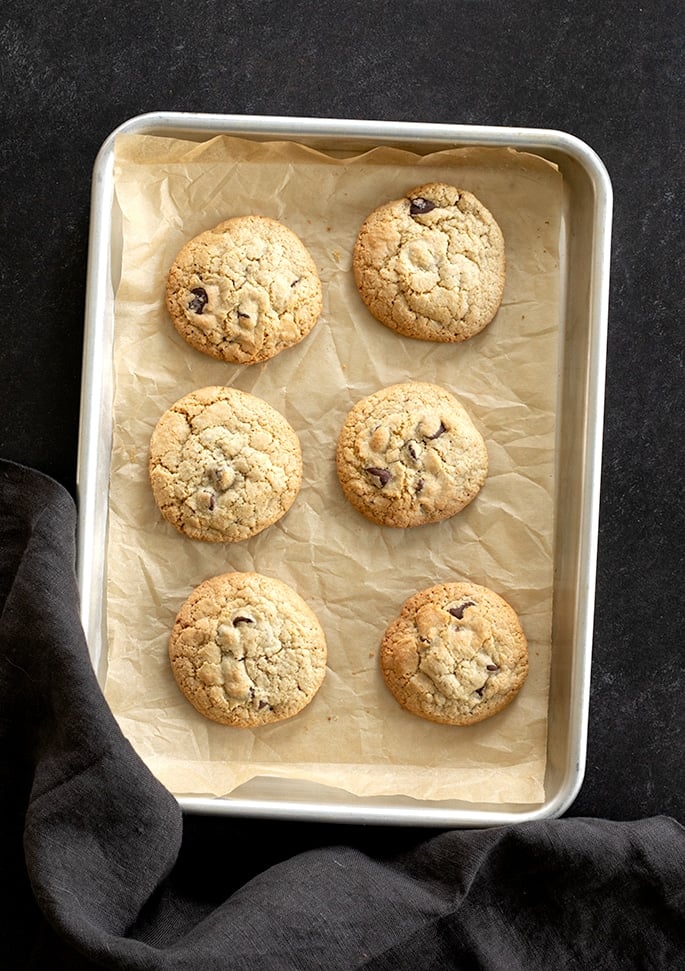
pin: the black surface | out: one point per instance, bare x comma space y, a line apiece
610, 73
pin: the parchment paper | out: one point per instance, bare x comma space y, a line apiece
354, 575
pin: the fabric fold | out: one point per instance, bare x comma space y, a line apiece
100, 833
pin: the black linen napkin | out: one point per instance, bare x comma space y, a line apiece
91, 842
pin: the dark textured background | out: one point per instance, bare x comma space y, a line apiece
610, 73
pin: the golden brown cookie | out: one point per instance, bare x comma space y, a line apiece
244, 291
224, 465
456, 654
410, 454
431, 265
246, 650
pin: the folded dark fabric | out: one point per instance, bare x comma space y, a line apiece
98, 871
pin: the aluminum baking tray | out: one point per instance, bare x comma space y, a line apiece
587, 215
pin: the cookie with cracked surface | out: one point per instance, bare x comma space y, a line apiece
431, 265
247, 650
224, 464
409, 455
456, 654
244, 291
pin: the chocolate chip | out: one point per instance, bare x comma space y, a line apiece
242, 620
199, 301
411, 448
419, 206
419, 485
383, 475
492, 667
262, 704
458, 611
479, 691
441, 431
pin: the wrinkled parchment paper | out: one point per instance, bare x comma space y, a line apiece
354, 574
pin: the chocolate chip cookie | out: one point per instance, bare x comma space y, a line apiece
224, 465
244, 291
246, 650
410, 454
456, 654
431, 265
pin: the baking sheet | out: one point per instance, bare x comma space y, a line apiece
354, 575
